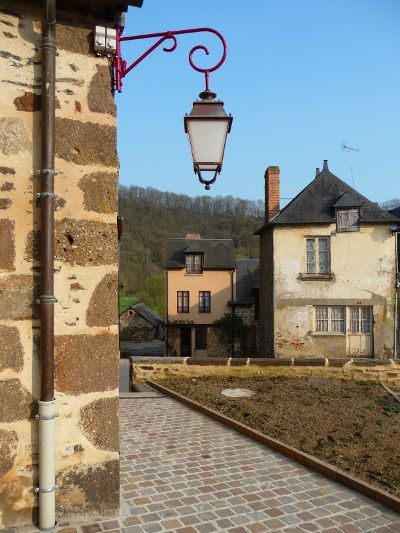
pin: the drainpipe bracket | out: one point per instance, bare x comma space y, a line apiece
47, 299
52, 417
45, 491
40, 195
47, 171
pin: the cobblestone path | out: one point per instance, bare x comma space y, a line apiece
183, 472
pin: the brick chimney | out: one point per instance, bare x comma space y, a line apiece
272, 192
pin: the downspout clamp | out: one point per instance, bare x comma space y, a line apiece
46, 410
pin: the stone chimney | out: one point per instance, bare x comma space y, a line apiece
272, 192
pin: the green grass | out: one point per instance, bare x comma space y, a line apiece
125, 302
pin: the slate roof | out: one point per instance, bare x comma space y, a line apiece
395, 212
247, 279
218, 253
148, 314
315, 204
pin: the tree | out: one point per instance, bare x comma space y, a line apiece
232, 329
153, 294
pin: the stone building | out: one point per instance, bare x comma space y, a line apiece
139, 323
327, 272
200, 283
85, 269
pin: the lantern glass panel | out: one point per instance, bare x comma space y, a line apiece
207, 140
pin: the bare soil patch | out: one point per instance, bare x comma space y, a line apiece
354, 425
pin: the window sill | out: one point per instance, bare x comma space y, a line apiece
194, 274
328, 334
316, 277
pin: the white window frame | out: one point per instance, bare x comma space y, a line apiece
317, 264
342, 226
331, 318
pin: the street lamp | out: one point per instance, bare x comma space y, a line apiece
208, 124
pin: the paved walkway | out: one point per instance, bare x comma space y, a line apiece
183, 472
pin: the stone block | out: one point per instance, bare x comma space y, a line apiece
99, 420
86, 363
18, 294
16, 402
238, 361
100, 192
12, 354
207, 362
103, 305
85, 143
79, 242
7, 244
13, 136
5, 203
100, 98
7, 170
28, 102
318, 361
270, 362
7, 186
8, 450
87, 489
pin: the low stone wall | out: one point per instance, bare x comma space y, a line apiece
358, 369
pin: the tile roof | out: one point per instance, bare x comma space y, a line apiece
315, 204
148, 314
247, 279
395, 212
218, 253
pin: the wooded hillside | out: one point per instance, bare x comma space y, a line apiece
151, 216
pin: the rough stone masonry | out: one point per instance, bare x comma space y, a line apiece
86, 342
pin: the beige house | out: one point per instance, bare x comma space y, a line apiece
200, 283
327, 272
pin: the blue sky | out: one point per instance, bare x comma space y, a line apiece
301, 77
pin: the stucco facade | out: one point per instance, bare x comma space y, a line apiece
327, 273
86, 254
221, 285
363, 275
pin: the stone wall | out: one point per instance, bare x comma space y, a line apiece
85, 265
387, 371
133, 327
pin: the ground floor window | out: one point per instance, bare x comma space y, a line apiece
201, 337
330, 319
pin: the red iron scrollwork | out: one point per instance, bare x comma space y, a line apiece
120, 66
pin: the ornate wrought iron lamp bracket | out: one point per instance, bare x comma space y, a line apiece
121, 69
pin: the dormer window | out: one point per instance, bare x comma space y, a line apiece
348, 219
194, 263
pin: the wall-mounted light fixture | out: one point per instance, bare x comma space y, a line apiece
208, 124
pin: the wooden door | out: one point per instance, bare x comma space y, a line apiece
360, 332
186, 341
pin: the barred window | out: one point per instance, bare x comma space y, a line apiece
204, 302
201, 337
183, 301
348, 220
330, 319
193, 263
317, 250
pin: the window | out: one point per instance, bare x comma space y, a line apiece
193, 263
330, 319
360, 319
204, 302
347, 220
201, 338
183, 301
318, 260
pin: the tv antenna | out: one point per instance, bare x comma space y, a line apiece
348, 149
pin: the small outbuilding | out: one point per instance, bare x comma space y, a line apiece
139, 323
